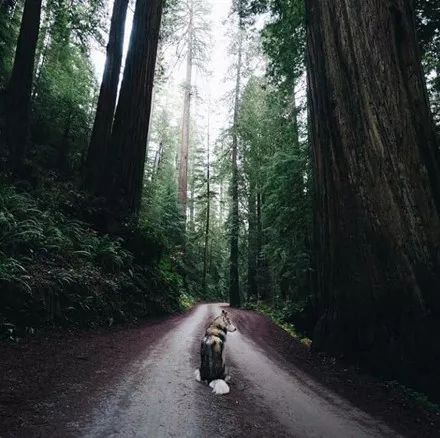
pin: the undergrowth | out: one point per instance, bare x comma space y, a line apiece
280, 316
415, 397
56, 269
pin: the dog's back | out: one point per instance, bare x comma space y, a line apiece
212, 365
212, 368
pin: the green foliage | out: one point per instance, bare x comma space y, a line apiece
276, 168
284, 42
160, 208
79, 21
428, 34
64, 95
57, 270
10, 18
278, 316
183, 245
187, 301
415, 397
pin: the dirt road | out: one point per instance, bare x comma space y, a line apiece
140, 383
158, 395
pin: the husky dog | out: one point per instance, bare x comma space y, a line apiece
212, 369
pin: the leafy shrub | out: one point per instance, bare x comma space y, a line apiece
280, 316
55, 269
417, 398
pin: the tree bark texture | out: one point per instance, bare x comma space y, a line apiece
105, 111
130, 127
234, 280
186, 119
19, 89
377, 184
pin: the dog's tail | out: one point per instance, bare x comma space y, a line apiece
219, 387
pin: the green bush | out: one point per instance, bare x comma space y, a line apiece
58, 270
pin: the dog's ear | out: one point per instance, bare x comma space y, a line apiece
224, 312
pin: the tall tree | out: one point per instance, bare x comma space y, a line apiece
102, 127
19, 89
193, 31
234, 281
130, 129
184, 149
377, 182
208, 210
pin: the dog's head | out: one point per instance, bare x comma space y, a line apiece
227, 322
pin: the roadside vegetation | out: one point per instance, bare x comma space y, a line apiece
57, 269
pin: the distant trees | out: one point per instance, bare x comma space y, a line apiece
191, 26
65, 85
160, 207
377, 184
102, 127
18, 93
428, 36
274, 173
60, 90
10, 17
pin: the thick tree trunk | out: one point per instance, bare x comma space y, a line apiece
130, 127
234, 281
102, 127
186, 118
19, 89
377, 175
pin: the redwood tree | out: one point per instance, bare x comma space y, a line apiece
19, 89
377, 176
186, 119
234, 278
130, 128
102, 126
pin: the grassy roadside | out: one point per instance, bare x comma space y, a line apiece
277, 316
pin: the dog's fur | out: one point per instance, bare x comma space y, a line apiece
212, 369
